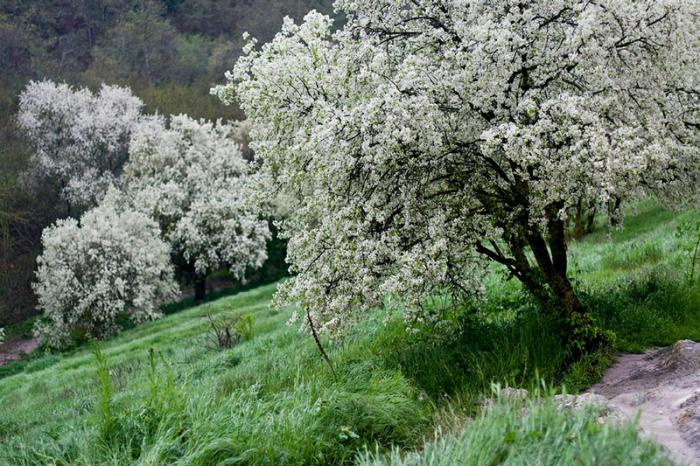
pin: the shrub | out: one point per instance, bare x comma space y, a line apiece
111, 263
225, 330
689, 233
244, 326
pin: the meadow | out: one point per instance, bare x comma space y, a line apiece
164, 393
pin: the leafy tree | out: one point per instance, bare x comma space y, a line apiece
111, 263
15, 51
190, 178
140, 47
262, 17
64, 30
428, 138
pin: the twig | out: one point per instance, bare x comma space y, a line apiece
319, 345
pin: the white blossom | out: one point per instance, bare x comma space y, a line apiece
427, 136
112, 262
190, 178
80, 139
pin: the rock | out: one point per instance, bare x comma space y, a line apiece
513, 393
579, 401
504, 393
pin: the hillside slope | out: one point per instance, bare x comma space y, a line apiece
166, 395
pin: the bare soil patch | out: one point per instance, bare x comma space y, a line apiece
662, 387
17, 349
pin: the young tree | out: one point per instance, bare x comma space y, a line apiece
429, 137
189, 177
80, 139
111, 263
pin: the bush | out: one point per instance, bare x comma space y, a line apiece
225, 331
112, 263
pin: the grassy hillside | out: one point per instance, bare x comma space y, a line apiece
163, 394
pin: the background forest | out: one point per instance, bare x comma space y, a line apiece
168, 52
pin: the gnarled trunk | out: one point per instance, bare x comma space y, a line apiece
580, 333
546, 279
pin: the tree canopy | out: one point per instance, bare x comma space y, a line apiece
80, 140
427, 139
190, 177
111, 263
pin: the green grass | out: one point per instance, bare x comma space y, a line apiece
531, 433
635, 280
162, 394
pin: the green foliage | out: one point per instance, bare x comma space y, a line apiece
194, 100
104, 397
587, 369
12, 368
517, 350
689, 233
244, 326
633, 255
657, 308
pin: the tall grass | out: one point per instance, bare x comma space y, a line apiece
161, 394
534, 433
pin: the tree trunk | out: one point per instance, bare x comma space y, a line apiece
548, 282
584, 219
579, 229
200, 288
614, 211
591, 218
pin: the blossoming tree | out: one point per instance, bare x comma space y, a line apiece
80, 139
111, 263
189, 177
429, 137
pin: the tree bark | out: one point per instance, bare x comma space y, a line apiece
614, 211
584, 219
590, 223
200, 288
547, 280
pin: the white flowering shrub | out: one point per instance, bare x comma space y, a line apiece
190, 178
111, 263
428, 137
79, 139
2, 334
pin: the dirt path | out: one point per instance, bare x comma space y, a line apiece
663, 386
17, 349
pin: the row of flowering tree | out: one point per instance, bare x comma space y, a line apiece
148, 198
427, 138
